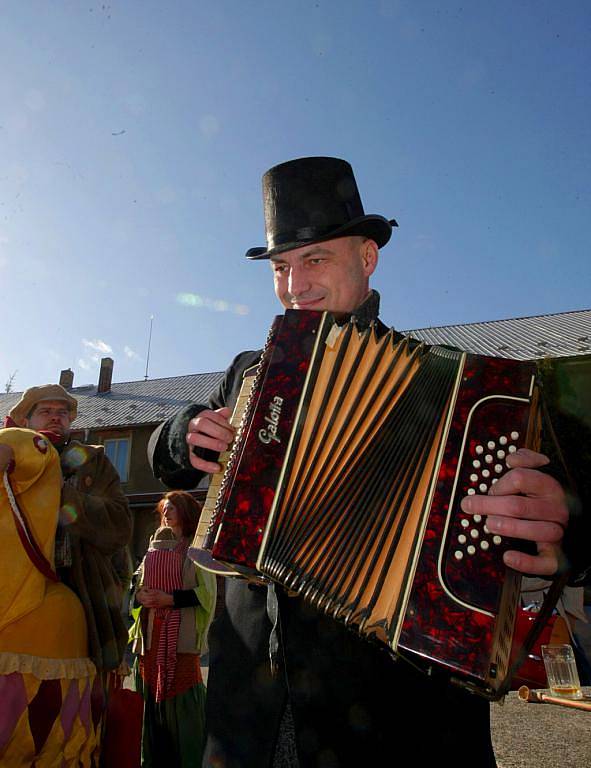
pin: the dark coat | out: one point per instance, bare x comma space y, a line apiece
96, 515
352, 704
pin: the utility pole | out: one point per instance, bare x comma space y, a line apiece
149, 345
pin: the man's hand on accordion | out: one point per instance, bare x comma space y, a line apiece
525, 504
209, 430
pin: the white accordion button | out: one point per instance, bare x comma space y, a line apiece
498, 467
477, 518
486, 529
490, 444
502, 440
471, 491
497, 539
458, 554
474, 533
514, 435
465, 523
470, 550
494, 480
479, 449
484, 544
485, 473
483, 487
488, 458
476, 464
473, 478
512, 449
501, 454
461, 538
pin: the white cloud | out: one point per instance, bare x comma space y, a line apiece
95, 349
129, 353
98, 345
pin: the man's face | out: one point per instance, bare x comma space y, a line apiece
333, 275
51, 416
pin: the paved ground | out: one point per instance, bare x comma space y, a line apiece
540, 735
529, 735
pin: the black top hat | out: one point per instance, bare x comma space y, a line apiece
312, 199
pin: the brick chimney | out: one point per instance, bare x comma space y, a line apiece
67, 378
105, 375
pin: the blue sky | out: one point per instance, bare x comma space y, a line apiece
133, 137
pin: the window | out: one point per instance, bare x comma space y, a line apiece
118, 452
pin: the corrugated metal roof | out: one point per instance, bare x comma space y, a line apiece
522, 338
150, 402
133, 402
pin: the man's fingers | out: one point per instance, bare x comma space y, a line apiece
526, 458
530, 482
209, 467
545, 563
219, 418
525, 504
523, 507
209, 430
529, 530
200, 440
213, 424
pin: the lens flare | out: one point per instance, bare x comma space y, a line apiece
214, 305
74, 457
68, 514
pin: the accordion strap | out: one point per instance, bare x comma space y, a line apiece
273, 614
550, 600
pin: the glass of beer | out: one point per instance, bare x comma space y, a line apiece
561, 670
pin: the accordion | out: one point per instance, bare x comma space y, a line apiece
344, 484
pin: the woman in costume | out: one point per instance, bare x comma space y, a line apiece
176, 601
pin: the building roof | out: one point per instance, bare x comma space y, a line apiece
133, 402
150, 402
522, 338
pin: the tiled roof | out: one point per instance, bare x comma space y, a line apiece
522, 338
133, 402
152, 401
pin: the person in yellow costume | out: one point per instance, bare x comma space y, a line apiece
95, 522
46, 677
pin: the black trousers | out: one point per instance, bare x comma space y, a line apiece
352, 704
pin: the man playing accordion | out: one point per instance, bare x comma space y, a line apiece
351, 703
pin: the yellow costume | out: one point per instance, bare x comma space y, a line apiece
46, 678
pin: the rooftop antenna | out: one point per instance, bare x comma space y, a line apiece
149, 344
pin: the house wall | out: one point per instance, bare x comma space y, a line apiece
144, 524
140, 478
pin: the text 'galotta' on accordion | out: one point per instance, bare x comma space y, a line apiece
344, 483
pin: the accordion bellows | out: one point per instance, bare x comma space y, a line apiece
344, 482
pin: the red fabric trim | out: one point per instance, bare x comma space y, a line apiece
25, 534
